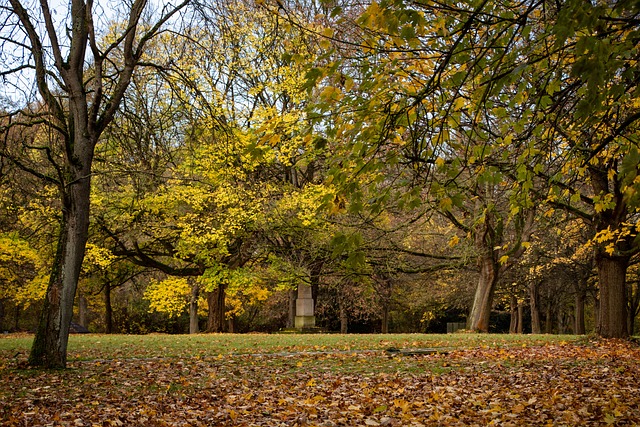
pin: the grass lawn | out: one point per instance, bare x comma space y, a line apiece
323, 380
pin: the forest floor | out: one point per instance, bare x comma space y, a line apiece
324, 380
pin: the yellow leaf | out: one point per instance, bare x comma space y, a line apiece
503, 259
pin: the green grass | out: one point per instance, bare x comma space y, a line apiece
96, 346
305, 380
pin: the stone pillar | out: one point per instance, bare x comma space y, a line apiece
304, 308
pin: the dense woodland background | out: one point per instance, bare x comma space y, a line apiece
414, 162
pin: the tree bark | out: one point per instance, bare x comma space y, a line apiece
343, 315
193, 309
520, 329
83, 311
634, 302
612, 271
548, 318
217, 307
579, 326
16, 319
513, 325
291, 318
483, 300
535, 308
344, 320
2, 313
108, 310
49, 347
385, 319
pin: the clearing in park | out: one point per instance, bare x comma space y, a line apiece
324, 380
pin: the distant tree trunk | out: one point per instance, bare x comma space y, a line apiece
2, 313
385, 319
314, 278
561, 322
612, 271
579, 327
634, 303
483, 300
108, 310
344, 318
291, 318
16, 322
534, 304
513, 325
520, 317
548, 321
232, 325
596, 303
83, 310
193, 308
216, 301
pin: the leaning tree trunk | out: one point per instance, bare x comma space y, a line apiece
612, 271
49, 347
483, 299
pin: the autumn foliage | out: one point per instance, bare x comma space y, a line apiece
476, 382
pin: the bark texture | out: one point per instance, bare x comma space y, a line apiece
534, 304
216, 301
613, 296
193, 309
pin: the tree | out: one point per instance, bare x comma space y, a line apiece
78, 94
552, 82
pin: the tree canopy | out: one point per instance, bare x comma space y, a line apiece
416, 155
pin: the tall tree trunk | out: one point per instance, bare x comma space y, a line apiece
16, 319
561, 322
291, 318
483, 300
634, 302
534, 304
548, 321
217, 307
520, 317
513, 324
344, 320
612, 273
343, 315
108, 309
385, 318
579, 327
83, 310
49, 347
193, 308
2, 313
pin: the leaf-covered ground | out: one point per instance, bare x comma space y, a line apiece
522, 383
